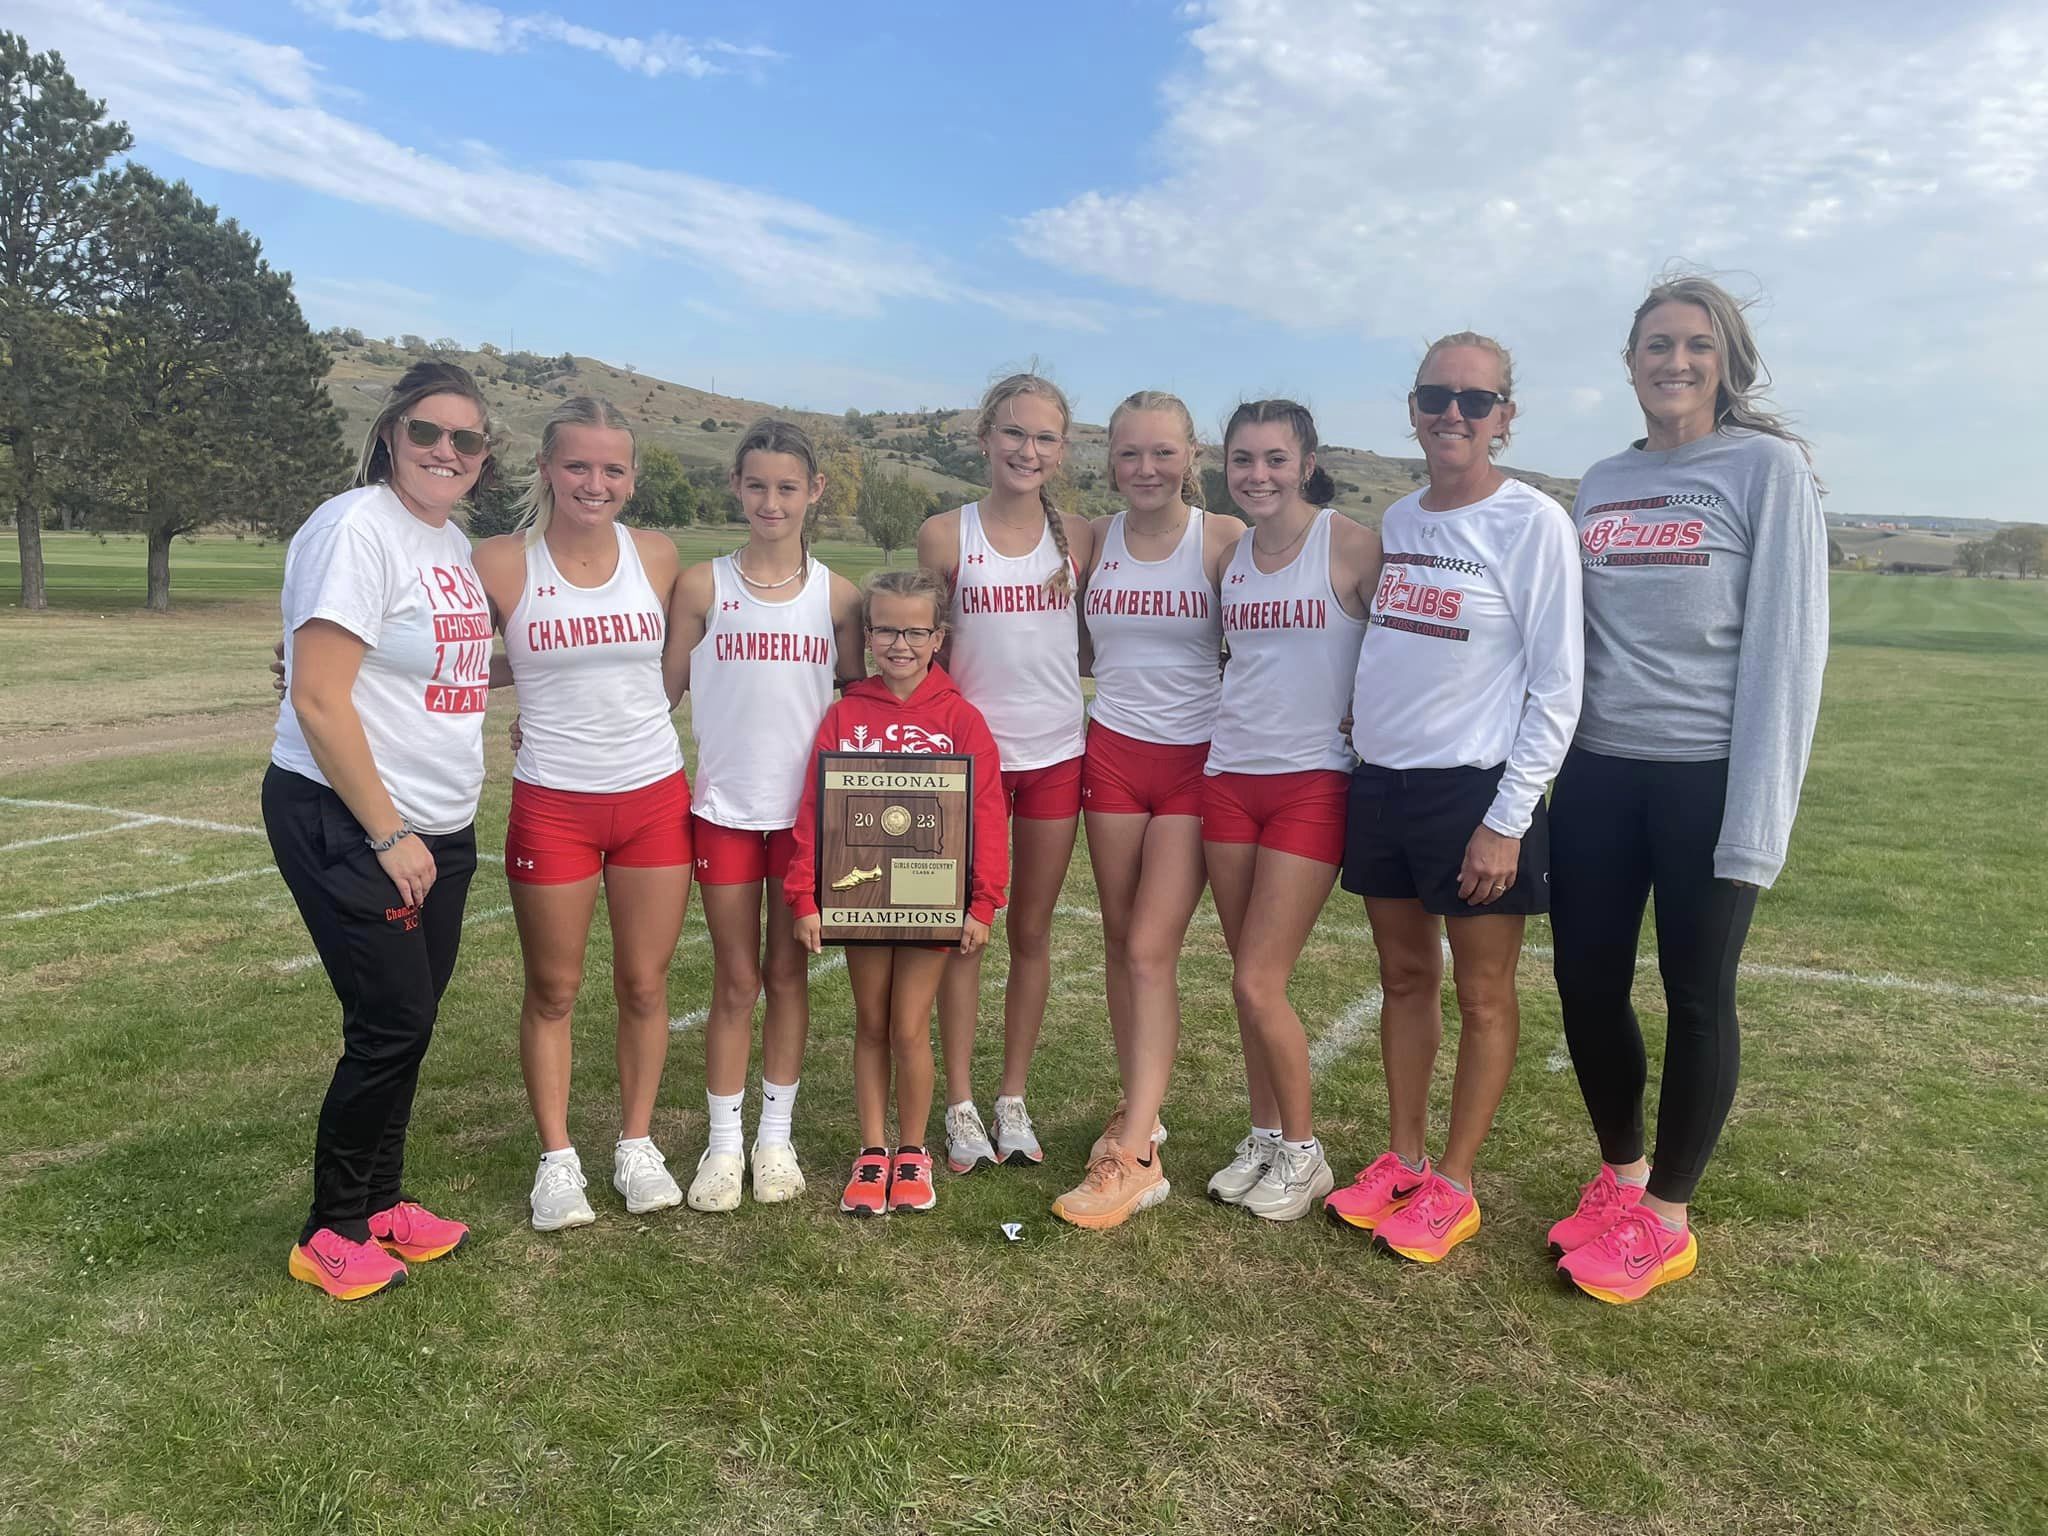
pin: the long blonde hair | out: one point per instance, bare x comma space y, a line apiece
1000, 393
1173, 405
536, 504
1738, 402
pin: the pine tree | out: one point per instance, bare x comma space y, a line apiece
212, 375
53, 145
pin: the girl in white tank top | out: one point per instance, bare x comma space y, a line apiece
1295, 601
1014, 653
760, 637
583, 603
1152, 610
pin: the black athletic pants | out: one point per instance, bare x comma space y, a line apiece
389, 965
1621, 828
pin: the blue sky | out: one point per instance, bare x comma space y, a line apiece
884, 205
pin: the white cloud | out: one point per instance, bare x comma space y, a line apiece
225, 100
487, 29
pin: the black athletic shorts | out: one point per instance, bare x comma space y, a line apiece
1406, 831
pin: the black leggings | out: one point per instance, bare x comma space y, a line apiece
388, 964
1621, 828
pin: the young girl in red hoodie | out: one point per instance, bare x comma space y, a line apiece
910, 705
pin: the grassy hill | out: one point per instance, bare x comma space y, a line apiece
936, 449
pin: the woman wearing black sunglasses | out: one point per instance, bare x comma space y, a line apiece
1467, 692
370, 797
1706, 571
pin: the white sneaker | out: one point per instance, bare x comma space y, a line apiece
1229, 1184
1015, 1140
1292, 1184
719, 1178
640, 1173
776, 1174
557, 1197
967, 1146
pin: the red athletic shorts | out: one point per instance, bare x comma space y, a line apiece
735, 856
1051, 793
1299, 813
555, 836
1128, 777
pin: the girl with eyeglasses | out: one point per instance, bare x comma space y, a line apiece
1295, 596
1155, 640
1467, 691
1013, 561
599, 795
371, 795
1706, 566
762, 636
910, 706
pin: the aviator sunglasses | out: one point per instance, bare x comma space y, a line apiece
425, 434
1473, 404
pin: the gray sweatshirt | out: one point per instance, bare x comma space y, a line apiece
1706, 591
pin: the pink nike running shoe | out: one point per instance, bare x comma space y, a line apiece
1382, 1187
415, 1233
1601, 1204
345, 1270
1631, 1259
1428, 1227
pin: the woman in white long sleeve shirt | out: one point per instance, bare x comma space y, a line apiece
1466, 698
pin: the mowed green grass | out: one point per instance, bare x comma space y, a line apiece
1861, 1350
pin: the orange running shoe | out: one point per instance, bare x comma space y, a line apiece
1631, 1259
910, 1182
1115, 1188
867, 1192
1601, 1204
345, 1270
1440, 1217
1113, 1132
415, 1233
1382, 1187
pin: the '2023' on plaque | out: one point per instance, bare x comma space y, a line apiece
895, 846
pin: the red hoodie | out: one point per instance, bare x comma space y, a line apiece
936, 718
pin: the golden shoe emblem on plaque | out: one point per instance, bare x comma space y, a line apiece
854, 877
895, 821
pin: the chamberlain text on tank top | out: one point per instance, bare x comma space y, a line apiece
1016, 655
1154, 628
760, 682
593, 712
1293, 656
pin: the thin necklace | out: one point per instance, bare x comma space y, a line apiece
1270, 553
765, 586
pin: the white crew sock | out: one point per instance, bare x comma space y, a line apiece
1299, 1148
1269, 1132
723, 1110
778, 1105
561, 1155
628, 1143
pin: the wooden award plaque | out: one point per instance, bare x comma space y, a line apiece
895, 846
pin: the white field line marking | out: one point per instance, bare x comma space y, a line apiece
120, 897
825, 966
137, 816
1351, 1025
72, 837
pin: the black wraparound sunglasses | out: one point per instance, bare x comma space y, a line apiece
425, 434
1473, 404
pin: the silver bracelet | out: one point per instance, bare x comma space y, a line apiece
386, 844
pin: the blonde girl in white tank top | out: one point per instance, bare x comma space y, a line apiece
1267, 899
1148, 867
745, 596
1022, 429
584, 476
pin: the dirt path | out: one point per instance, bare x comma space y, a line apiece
19, 754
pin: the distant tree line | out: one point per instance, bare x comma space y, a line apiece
156, 375
2021, 549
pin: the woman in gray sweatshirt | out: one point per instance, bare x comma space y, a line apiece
1705, 562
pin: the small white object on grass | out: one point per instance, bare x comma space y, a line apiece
1014, 1231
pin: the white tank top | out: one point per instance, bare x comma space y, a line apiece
1154, 627
760, 682
1293, 656
1016, 655
593, 714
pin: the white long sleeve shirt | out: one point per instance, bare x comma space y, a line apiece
1476, 650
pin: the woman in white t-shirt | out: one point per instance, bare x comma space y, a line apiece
1467, 692
371, 795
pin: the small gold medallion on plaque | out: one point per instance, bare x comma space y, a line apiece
895, 821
